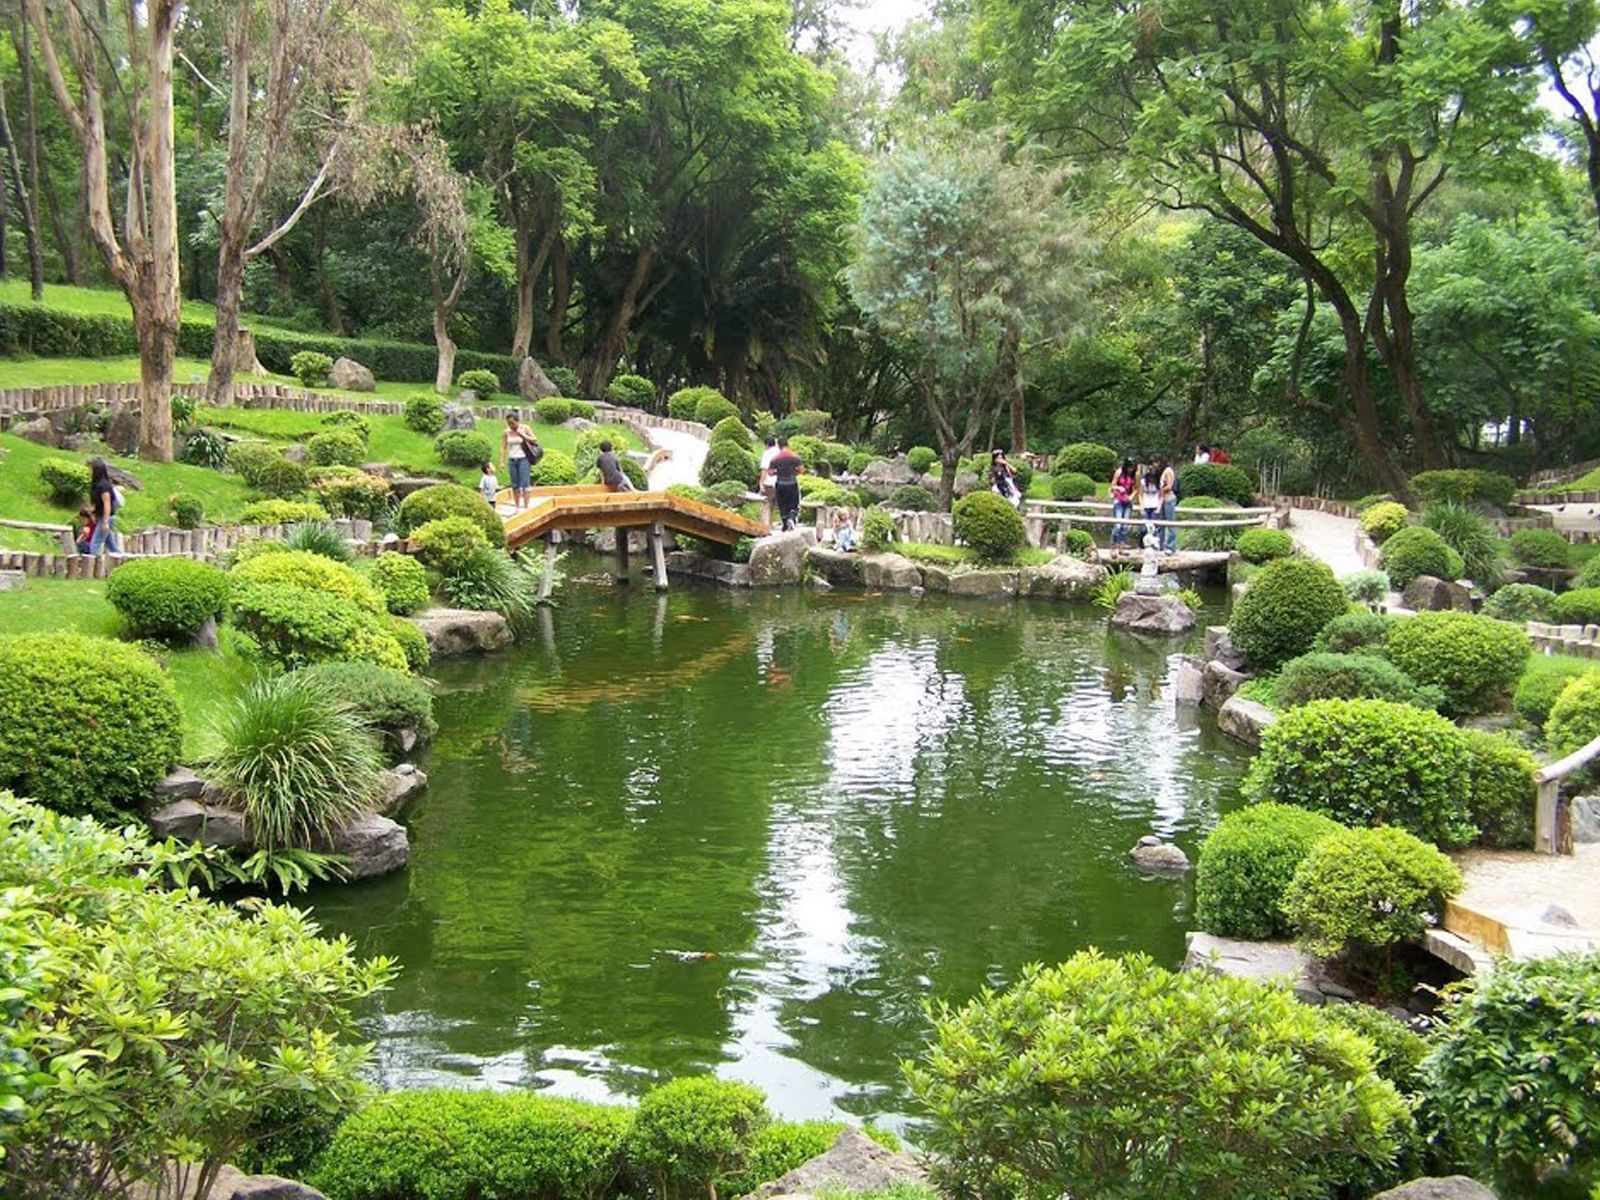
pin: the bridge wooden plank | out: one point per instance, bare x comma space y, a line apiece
587, 506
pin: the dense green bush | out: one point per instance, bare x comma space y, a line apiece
808, 448
482, 383
1575, 716
1383, 520
1354, 633
1264, 545
281, 512
167, 598
1286, 606
813, 422
631, 391
188, 512
911, 497
566, 380
448, 500
685, 402
692, 1132
1246, 864
294, 626
1324, 676
1512, 1073
1464, 487
354, 422
877, 529
1520, 602
311, 368
1417, 551
860, 460
1082, 1078
68, 481
447, 543
1366, 587
1543, 679
725, 461
1080, 543
267, 470
732, 429
1071, 485
552, 410
1468, 532
337, 448
349, 493
1399, 1051
390, 703
1223, 480
1540, 548
413, 643
494, 581
463, 448
304, 569
1085, 458
555, 469
1588, 575
990, 526
1579, 607
1369, 762
582, 408
921, 458
1500, 779
424, 412
89, 724
586, 450
1474, 660
1362, 891
403, 582
709, 410
826, 491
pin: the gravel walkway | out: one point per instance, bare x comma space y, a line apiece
1327, 537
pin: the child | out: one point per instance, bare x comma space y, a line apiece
86, 531
844, 534
488, 484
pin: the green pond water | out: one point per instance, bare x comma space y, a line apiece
753, 834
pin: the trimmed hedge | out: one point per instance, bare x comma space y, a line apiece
726, 462
1520, 602
1071, 485
390, 702
312, 572
482, 383
336, 448
1544, 679
89, 725
1354, 633
1540, 548
553, 410
1223, 480
1474, 660
712, 409
990, 526
1575, 716
281, 512
1580, 607
921, 458
1501, 782
1417, 551
691, 1133
463, 448
555, 469
911, 497
1348, 677
1465, 486
448, 500
447, 544
67, 480
1287, 604
1264, 545
1086, 458
1246, 864
424, 412
167, 598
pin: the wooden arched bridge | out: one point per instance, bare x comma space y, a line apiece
556, 510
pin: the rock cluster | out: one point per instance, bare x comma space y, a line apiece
854, 1163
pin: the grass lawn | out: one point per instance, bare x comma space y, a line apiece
100, 302
206, 680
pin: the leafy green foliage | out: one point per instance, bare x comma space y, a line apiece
267, 470
732, 429
1543, 679
1475, 660
448, 500
188, 512
425, 413
311, 368
990, 526
463, 448
413, 643
1286, 606
1085, 458
1578, 607
1081, 1078
1540, 548
1520, 602
402, 580
1469, 534
1365, 890
446, 544
1070, 485
482, 383
692, 1132
1383, 520
684, 403
1588, 575
877, 528
1246, 864
1080, 543
1324, 676
1354, 633
1222, 480
348, 493
292, 626
725, 462
1264, 545
1575, 716
304, 569
712, 410
1464, 487
68, 481
1417, 551
1366, 587
921, 458
911, 497
1368, 762
494, 581
860, 460
1117, 582
167, 599
1500, 779
555, 469
553, 410
631, 391
337, 448
353, 422
281, 512
389, 702
90, 724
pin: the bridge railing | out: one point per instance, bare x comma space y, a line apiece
1552, 823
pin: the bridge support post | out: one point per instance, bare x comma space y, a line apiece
551, 549
658, 554
624, 535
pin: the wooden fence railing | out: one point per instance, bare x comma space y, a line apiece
1552, 820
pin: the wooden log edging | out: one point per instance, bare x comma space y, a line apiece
206, 543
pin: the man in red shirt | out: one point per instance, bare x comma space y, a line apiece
786, 467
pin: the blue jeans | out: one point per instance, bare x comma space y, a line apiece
105, 536
521, 474
1121, 510
1169, 535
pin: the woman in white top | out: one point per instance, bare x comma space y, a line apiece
520, 448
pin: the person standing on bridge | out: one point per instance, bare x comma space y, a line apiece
786, 468
611, 472
520, 449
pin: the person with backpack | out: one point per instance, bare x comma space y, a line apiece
104, 502
522, 452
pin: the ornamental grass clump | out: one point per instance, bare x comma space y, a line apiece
1246, 864
1286, 606
296, 759
1469, 533
493, 581
167, 599
1474, 660
322, 539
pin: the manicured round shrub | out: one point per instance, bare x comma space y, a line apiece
1580, 607
555, 469
1501, 782
1464, 487
1575, 716
251, 460
89, 725
314, 572
808, 448
277, 476
1369, 762
337, 448
877, 528
1475, 661
434, 1144
1588, 575
911, 497
1286, 606
1511, 1072
349, 493
281, 512
860, 460
481, 382
1365, 890
726, 462
582, 408
921, 459
343, 418
413, 643
1519, 603
402, 581
1080, 543
1082, 1078
1543, 680
630, 391
294, 626
425, 413
1366, 587
990, 526
447, 543
1540, 548
463, 448
1223, 480
1246, 864
1085, 458
167, 599
1071, 485
826, 491
685, 402
68, 481
188, 512
1383, 520
709, 410
690, 1133
1417, 551
1323, 676
552, 410
311, 368
1264, 545
731, 429
391, 703
448, 500
567, 382
1354, 633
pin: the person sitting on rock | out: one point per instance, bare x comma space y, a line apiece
844, 533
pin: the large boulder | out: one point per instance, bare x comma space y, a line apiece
122, 431
532, 383
854, 1163
1263, 962
889, 473
372, 845
703, 566
13, 581
1219, 682
39, 431
779, 559
180, 784
985, 584
230, 1184
1245, 720
124, 479
453, 632
1428, 594
1067, 578
968, 482
1446, 1187
1190, 685
835, 566
348, 374
459, 416
937, 579
1153, 854
1165, 615
401, 784
198, 821
890, 572
1220, 648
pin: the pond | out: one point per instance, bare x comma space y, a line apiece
755, 833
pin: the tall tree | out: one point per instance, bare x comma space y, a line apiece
1565, 33
143, 255
23, 188
972, 263
1321, 128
